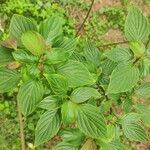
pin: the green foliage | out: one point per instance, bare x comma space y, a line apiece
78, 90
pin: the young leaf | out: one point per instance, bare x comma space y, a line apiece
24, 56
82, 94
136, 26
69, 112
134, 132
50, 102
57, 55
9, 79
92, 54
123, 78
29, 95
34, 42
89, 145
119, 54
91, 122
47, 127
5, 56
72, 135
65, 146
76, 74
19, 25
144, 90
58, 84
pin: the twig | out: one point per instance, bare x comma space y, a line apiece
22, 136
87, 15
111, 44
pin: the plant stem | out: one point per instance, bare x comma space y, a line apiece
22, 136
111, 44
87, 15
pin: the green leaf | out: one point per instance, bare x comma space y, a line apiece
130, 118
24, 56
89, 145
5, 56
29, 95
58, 84
144, 112
123, 78
72, 135
137, 48
91, 122
136, 26
68, 44
50, 102
47, 127
65, 146
76, 74
92, 54
144, 90
51, 28
82, 94
119, 54
34, 42
69, 112
9, 79
19, 25
56, 55
134, 132
114, 145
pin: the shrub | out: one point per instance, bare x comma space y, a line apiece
90, 99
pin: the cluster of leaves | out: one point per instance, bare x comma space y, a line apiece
79, 90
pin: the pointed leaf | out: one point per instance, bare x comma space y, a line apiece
58, 84
136, 26
51, 28
92, 54
123, 78
72, 135
29, 95
134, 132
91, 122
47, 127
119, 54
50, 102
76, 74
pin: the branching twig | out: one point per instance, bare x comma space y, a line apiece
22, 136
87, 15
